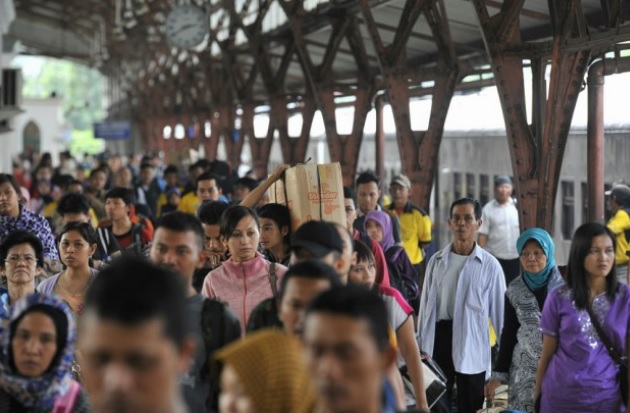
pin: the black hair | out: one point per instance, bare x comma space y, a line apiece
19, 237
279, 214
311, 269
179, 222
171, 169
74, 182
366, 178
86, 230
125, 194
364, 253
97, 170
355, 302
8, 178
133, 291
210, 212
63, 181
467, 201
247, 182
232, 216
349, 193
73, 203
207, 176
146, 164
577, 278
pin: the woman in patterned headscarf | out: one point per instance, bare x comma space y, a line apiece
37, 349
264, 373
521, 340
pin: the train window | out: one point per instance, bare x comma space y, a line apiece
568, 209
484, 189
471, 188
457, 185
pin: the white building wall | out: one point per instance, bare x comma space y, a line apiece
47, 115
7, 15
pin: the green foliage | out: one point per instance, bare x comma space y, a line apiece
80, 87
83, 141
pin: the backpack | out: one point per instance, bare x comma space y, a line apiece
217, 332
402, 276
110, 245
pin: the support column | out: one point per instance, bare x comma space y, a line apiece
595, 146
345, 148
380, 138
418, 150
536, 150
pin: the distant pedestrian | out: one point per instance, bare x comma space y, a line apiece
619, 224
500, 228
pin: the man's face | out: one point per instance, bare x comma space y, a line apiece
214, 247
368, 195
299, 291
207, 190
241, 191
344, 361
351, 212
400, 194
171, 180
503, 193
177, 250
116, 209
131, 369
462, 222
146, 175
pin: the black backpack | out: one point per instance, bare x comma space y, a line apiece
402, 275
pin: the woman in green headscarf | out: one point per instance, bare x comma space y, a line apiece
521, 340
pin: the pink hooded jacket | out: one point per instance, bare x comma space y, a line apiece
242, 285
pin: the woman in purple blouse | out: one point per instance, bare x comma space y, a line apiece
576, 372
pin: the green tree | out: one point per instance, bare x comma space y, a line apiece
80, 87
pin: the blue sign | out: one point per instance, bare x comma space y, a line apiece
113, 130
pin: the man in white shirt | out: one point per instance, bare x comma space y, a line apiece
500, 228
463, 287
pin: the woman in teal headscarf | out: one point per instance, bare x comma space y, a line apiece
521, 340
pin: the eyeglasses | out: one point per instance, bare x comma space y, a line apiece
16, 259
538, 254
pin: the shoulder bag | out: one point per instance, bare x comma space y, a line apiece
621, 360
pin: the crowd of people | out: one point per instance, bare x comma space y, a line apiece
136, 288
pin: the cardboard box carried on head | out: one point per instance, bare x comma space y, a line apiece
311, 191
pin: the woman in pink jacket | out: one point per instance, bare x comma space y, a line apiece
246, 278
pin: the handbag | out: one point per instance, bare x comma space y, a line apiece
434, 379
65, 404
622, 361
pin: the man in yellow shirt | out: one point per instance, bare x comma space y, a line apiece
619, 224
208, 189
415, 223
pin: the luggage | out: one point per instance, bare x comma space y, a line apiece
311, 192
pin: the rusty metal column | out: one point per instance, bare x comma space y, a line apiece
595, 143
380, 138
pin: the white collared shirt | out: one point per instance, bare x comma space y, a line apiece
499, 222
480, 295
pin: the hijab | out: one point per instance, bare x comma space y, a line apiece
39, 394
538, 280
384, 220
269, 364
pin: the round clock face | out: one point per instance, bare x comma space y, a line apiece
186, 27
